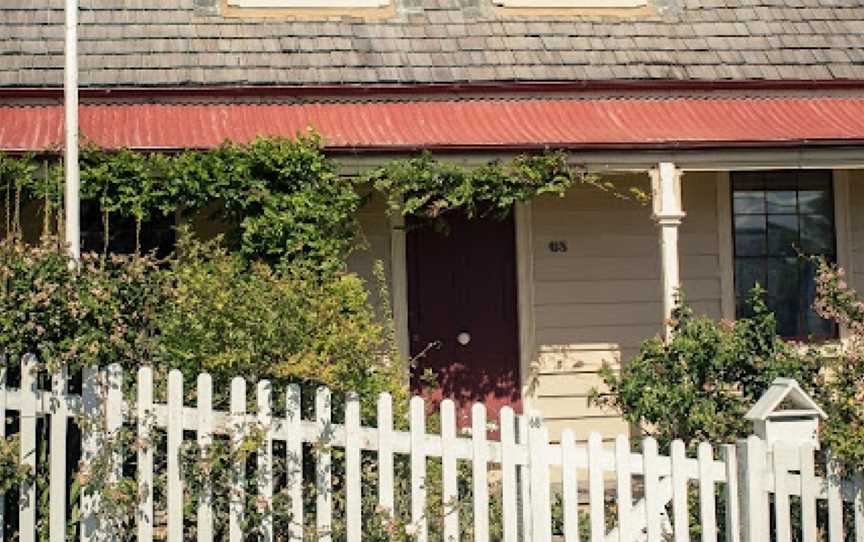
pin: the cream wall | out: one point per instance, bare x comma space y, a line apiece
855, 214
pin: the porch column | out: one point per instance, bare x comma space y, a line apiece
668, 213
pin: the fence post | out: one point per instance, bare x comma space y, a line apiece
27, 510
752, 470
2, 436
89, 448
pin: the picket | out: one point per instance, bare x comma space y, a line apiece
205, 441
145, 453
27, 504
265, 456
57, 473
807, 470
679, 492
570, 487
653, 504
522, 458
237, 497
175, 439
509, 503
449, 474
479, 471
418, 468
3, 361
352, 468
707, 503
324, 465
624, 488
595, 487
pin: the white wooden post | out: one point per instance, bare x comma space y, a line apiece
294, 459
205, 441
418, 468
237, 497
526, 509
145, 455
681, 527
385, 452
57, 483
570, 486
538, 457
449, 472
808, 494
835, 502
653, 502
89, 448
752, 471
508, 474
352, 468
323, 469
707, 502
114, 418
782, 517
265, 457
27, 510
3, 360
733, 510
480, 476
596, 500
668, 213
624, 489
174, 493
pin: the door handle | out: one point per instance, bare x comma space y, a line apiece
463, 338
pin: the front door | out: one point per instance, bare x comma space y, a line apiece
462, 315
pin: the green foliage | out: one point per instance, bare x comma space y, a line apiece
101, 313
428, 188
12, 472
698, 385
841, 389
227, 317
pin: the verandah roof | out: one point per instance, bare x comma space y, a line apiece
487, 123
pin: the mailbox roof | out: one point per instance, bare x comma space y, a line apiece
783, 389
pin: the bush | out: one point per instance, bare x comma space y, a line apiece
698, 385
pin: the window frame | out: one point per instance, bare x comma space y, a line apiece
727, 215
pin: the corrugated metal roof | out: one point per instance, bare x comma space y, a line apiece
463, 124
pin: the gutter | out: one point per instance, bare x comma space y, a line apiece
368, 91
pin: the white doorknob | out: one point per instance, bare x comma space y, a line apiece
463, 338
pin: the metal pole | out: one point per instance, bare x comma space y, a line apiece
73, 203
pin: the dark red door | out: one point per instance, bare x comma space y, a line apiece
462, 313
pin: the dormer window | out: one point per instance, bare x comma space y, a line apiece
303, 4
579, 4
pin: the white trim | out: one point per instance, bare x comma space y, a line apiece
725, 251
399, 287
668, 213
842, 227
523, 220
275, 4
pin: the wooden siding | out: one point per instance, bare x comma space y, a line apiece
856, 227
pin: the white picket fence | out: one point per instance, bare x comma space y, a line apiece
625, 495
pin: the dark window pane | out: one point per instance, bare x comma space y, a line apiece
155, 235
781, 201
814, 179
815, 202
748, 180
748, 202
781, 180
817, 235
781, 280
782, 235
748, 271
813, 324
750, 235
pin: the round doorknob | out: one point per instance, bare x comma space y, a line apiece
463, 338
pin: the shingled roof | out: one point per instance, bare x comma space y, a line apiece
187, 42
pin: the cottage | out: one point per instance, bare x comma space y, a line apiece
745, 120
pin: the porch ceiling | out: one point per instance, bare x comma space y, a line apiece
646, 123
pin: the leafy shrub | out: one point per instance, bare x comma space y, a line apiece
698, 385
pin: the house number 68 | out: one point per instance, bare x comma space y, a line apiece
557, 246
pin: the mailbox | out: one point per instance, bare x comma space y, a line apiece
787, 414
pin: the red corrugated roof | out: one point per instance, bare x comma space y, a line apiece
482, 123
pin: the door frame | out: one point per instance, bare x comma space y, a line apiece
523, 238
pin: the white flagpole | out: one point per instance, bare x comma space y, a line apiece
70, 87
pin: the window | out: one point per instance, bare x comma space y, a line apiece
277, 4
775, 215
581, 4
157, 234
